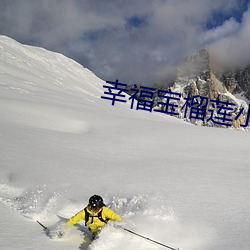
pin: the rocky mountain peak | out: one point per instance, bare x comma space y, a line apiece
237, 81
196, 77
197, 72
196, 64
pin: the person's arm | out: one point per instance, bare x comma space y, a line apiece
77, 217
111, 215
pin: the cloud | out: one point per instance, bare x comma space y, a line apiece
232, 50
133, 41
228, 28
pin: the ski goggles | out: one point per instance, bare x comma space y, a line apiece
94, 208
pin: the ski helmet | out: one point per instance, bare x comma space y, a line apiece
95, 202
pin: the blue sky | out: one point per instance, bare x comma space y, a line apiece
218, 17
135, 41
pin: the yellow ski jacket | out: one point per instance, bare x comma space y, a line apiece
94, 223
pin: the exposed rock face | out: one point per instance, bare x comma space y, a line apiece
210, 96
237, 81
203, 96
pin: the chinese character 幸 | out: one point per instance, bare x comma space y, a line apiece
115, 91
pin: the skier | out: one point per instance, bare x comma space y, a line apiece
95, 214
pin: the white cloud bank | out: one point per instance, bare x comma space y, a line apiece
133, 41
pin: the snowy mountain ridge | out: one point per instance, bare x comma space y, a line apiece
25, 57
36, 74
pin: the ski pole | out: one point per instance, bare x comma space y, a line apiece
45, 228
146, 238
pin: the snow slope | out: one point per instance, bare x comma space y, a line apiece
183, 185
